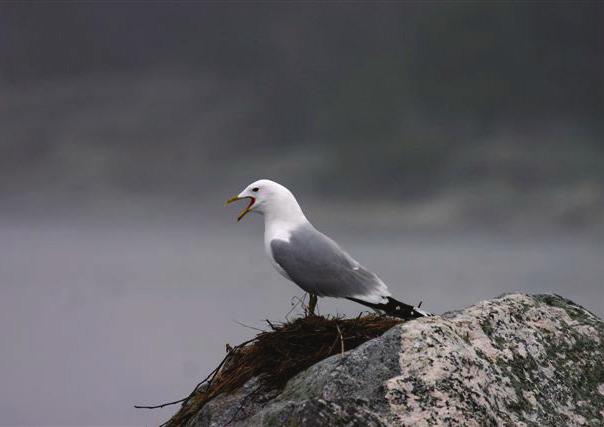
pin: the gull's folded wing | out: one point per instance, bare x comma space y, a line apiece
318, 265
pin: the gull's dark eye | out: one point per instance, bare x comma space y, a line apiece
255, 189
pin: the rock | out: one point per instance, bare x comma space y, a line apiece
513, 360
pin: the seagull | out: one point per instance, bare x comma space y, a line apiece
309, 258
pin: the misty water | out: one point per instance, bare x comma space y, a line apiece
96, 317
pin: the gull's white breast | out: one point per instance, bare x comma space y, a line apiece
275, 230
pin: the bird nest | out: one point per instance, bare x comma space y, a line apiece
275, 356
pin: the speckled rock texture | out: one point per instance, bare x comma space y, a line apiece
514, 360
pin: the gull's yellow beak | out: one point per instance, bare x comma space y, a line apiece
247, 209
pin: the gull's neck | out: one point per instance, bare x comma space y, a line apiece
282, 218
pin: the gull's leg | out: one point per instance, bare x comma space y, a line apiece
312, 304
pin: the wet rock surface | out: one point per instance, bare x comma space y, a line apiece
516, 359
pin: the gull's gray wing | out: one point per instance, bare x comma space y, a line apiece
319, 266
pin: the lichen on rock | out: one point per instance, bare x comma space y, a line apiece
513, 360
516, 359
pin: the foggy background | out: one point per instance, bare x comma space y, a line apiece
455, 149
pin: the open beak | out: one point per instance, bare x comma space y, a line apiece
247, 209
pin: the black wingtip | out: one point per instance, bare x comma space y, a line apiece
400, 309
394, 308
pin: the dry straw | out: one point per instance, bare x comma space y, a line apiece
277, 355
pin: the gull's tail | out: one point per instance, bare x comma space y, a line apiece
395, 308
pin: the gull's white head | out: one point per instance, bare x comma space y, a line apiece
270, 199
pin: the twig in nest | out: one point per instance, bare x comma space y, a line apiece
163, 405
249, 327
273, 327
332, 345
295, 302
341, 339
365, 313
207, 379
185, 399
226, 358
